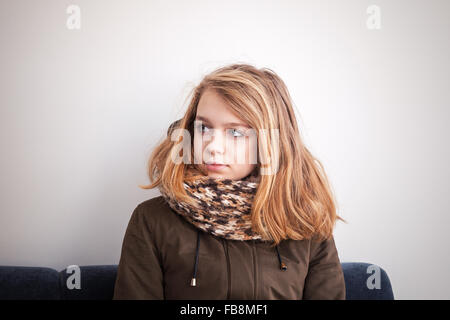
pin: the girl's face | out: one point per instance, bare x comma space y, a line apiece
221, 137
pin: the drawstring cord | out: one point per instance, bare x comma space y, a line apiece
194, 279
283, 266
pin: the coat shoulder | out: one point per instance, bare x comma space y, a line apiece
153, 207
159, 219
157, 202
155, 211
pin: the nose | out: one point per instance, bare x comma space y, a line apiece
215, 145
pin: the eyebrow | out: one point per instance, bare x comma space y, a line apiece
240, 124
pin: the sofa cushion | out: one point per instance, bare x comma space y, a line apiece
28, 283
360, 278
96, 283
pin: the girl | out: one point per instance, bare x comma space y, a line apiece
261, 228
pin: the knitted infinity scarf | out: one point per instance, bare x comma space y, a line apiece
223, 206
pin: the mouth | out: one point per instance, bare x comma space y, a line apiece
216, 163
215, 166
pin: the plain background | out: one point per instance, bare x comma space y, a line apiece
82, 109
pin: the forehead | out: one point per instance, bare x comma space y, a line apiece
212, 108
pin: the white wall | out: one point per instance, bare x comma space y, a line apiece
82, 109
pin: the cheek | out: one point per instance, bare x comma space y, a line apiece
251, 149
198, 146
245, 152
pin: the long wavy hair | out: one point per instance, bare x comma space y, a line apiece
294, 203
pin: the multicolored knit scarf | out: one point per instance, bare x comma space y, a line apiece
223, 206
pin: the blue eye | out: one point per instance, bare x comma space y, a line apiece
235, 133
238, 132
200, 127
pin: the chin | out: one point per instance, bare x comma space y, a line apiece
217, 175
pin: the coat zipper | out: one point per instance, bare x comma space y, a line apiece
225, 248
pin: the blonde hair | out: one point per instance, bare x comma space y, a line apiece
296, 202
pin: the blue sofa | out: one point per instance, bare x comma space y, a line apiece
97, 283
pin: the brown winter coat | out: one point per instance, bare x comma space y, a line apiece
161, 251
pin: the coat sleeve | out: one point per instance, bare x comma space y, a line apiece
325, 278
139, 273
